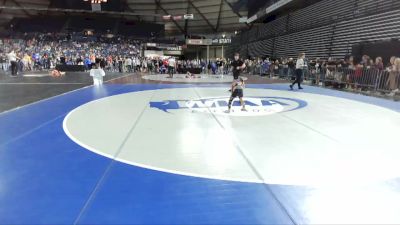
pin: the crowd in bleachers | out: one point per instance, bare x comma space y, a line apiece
160, 65
45, 51
37, 52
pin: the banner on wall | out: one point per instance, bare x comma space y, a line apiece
151, 44
198, 41
215, 41
172, 52
177, 48
252, 19
153, 53
221, 41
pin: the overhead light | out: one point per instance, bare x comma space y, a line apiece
188, 16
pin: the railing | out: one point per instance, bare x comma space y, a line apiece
363, 79
360, 79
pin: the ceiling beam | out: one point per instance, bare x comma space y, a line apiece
158, 3
155, 11
22, 8
219, 15
235, 25
80, 11
129, 9
184, 9
187, 21
202, 15
3, 4
133, 11
51, 4
170, 3
238, 14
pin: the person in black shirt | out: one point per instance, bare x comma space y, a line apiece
79, 61
102, 63
63, 60
237, 66
292, 67
220, 65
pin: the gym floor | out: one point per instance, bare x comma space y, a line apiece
145, 150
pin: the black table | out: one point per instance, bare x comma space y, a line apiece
70, 68
191, 70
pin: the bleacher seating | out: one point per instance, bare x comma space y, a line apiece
327, 28
368, 6
320, 13
139, 29
234, 46
243, 50
314, 42
273, 28
261, 48
99, 25
370, 28
36, 24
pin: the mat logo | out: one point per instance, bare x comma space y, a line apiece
255, 106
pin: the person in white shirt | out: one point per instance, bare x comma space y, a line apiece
134, 64
12, 58
97, 73
300, 64
144, 65
137, 62
128, 64
171, 66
